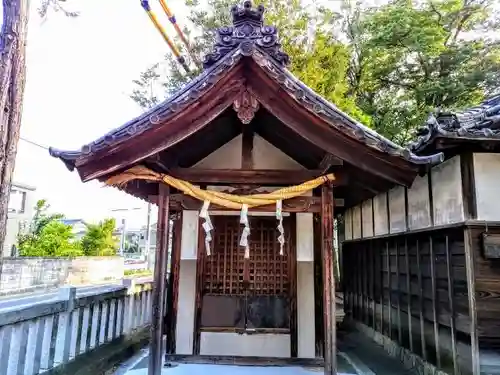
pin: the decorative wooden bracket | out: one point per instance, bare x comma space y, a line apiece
246, 105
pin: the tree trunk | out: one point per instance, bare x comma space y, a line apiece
12, 78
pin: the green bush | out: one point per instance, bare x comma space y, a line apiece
49, 237
99, 239
54, 240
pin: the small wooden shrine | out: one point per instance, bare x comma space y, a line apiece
252, 166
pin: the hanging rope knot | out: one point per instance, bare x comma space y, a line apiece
207, 226
246, 230
279, 216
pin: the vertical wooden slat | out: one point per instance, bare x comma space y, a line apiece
421, 303
381, 276
398, 301
389, 283
434, 301
471, 292
468, 186
451, 301
327, 250
408, 294
292, 256
159, 287
359, 283
372, 284
366, 275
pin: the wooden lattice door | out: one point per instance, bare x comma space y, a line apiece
247, 294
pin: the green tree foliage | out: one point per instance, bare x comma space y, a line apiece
40, 220
387, 66
55, 240
49, 237
99, 239
314, 55
412, 58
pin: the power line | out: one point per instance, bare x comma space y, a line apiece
34, 143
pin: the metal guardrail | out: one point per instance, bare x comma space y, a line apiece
40, 337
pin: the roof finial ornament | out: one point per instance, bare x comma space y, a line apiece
247, 33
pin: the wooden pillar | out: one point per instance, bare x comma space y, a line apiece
159, 286
173, 284
327, 252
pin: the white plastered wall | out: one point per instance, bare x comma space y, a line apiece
187, 283
487, 181
305, 286
447, 192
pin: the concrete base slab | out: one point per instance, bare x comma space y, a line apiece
139, 366
198, 369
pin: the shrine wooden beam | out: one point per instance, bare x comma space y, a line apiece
329, 161
179, 202
247, 159
269, 177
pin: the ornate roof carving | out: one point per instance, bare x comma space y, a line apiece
479, 122
246, 105
248, 31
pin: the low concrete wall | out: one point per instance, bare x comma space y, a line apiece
24, 274
64, 335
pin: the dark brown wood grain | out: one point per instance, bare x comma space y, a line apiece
269, 177
159, 287
329, 305
247, 147
468, 185
297, 204
412, 298
487, 288
174, 282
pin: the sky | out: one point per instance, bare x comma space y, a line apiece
79, 75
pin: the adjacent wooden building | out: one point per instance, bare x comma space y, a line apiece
422, 264
245, 126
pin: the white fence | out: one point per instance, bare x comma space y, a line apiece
41, 337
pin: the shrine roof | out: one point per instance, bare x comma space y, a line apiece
475, 124
247, 58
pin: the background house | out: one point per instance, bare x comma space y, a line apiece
78, 227
21, 204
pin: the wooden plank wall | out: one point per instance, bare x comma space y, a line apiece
405, 268
487, 289
413, 289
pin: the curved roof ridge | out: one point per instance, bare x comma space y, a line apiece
360, 131
478, 122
